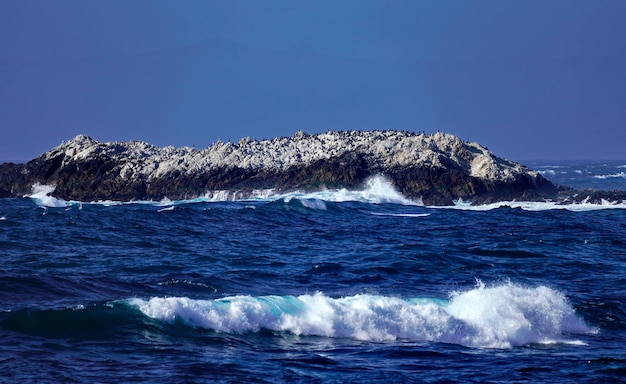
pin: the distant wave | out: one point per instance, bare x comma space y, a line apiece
550, 166
400, 214
552, 172
501, 316
536, 206
611, 176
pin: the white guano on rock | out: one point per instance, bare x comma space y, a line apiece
138, 159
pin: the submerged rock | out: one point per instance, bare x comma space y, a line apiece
436, 168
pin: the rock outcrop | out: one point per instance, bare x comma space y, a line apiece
436, 168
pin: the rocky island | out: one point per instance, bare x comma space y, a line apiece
434, 168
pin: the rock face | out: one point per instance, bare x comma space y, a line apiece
436, 168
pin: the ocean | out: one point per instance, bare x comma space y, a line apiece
337, 286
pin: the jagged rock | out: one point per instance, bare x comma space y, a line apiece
436, 168
569, 195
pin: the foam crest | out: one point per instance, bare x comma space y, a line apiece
509, 315
41, 196
314, 204
224, 195
500, 317
378, 190
536, 206
400, 214
611, 176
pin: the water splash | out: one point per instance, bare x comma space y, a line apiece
41, 195
502, 316
535, 206
377, 190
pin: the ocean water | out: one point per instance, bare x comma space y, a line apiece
338, 286
580, 174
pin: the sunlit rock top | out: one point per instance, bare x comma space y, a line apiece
386, 148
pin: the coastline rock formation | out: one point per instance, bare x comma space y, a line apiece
437, 168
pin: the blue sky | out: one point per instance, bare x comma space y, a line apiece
528, 79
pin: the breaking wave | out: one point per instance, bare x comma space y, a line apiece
377, 190
611, 176
537, 206
501, 316
41, 195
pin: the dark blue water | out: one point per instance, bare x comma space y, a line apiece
333, 287
580, 174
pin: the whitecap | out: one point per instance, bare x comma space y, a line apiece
107, 203
42, 196
611, 176
400, 214
508, 315
314, 204
164, 202
535, 206
502, 316
377, 190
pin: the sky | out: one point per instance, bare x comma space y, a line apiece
528, 79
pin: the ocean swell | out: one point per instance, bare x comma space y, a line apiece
611, 176
501, 316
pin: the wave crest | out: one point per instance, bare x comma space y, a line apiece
499, 317
611, 176
41, 195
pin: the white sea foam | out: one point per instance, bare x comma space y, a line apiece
378, 190
551, 166
502, 316
107, 203
41, 196
535, 206
509, 315
164, 202
611, 176
400, 214
3, 218
314, 204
